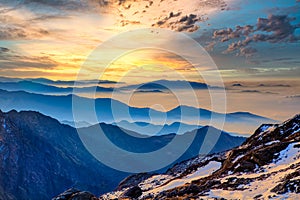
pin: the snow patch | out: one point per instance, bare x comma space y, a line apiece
264, 128
289, 155
272, 142
237, 158
200, 173
211, 167
154, 182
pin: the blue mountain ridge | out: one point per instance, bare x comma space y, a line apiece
110, 110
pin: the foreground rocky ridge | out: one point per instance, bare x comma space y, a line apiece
265, 166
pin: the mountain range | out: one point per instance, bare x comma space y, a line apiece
170, 85
152, 129
110, 110
153, 85
36, 87
40, 157
46, 81
45, 86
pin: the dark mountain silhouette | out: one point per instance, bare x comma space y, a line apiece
237, 85
30, 86
46, 81
40, 157
167, 84
70, 83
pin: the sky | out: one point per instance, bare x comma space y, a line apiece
254, 45
248, 40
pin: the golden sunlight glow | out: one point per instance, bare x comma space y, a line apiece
55, 47
148, 65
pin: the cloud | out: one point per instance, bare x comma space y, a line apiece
14, 27
210, 46
14, 60
238, 45
284, 10
247, 51
174, 15
11, 33
186, 23
34, 19
273, 29
277, 59
46, 17
36, 73
249, 70
61, 5
227, 34
279, 27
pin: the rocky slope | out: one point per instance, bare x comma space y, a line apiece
40, 158
265, 166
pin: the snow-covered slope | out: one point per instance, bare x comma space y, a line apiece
265, 166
